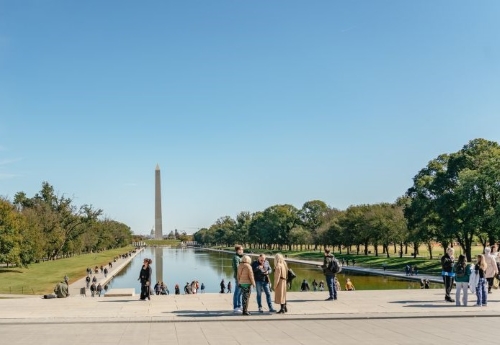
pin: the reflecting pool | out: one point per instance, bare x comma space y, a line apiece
179, 266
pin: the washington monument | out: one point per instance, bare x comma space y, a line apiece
158, 222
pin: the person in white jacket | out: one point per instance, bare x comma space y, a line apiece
492, 269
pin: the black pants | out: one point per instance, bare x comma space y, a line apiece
490, 283
145, 291
448, 283
245, 297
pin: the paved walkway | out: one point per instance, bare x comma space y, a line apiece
357, 269
377, 317
74, 287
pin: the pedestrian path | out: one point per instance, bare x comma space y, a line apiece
377, 317
75, 287
213, 307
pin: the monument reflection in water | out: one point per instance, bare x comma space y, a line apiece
181, 266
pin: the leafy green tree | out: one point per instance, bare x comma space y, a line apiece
278, 221
11, 224
241, 230
311, 216
458, 194
299, 236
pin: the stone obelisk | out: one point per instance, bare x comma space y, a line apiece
158, 221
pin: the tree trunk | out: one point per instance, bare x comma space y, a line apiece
366, 248
357, 249
491, 239
468, 247
400, 250
429, 248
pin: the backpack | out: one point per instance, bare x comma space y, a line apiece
459, 270
334, 266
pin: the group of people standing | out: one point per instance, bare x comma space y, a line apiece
479, 278
248, 274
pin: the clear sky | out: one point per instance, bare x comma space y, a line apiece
243, 104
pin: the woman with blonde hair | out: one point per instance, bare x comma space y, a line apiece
482, 286
245, 280
280, 277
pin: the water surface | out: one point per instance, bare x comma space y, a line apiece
179, 266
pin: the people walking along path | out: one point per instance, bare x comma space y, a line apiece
103, 279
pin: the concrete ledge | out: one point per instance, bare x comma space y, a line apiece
120, 293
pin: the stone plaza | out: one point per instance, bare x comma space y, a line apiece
377, 317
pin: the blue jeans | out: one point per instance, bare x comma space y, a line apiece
331, 286
263, 286
236, 295
482, 292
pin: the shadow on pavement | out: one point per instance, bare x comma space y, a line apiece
430, 305
198, 313
409, 302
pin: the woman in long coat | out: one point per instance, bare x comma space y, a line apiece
280, 276
145, 279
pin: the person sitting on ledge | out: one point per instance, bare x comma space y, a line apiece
349, 286
60, 290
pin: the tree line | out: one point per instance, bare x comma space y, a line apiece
47, 226
454, 199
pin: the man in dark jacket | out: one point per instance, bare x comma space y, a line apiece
261, 271
237, 303
329, 275
447, 261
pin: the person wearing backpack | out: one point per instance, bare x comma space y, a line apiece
462, 275
328, 271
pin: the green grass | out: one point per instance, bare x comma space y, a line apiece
40, 278
172, 243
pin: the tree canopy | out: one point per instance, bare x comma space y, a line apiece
47, 226
455, 198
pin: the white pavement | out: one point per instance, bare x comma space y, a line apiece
217, 307
358, 317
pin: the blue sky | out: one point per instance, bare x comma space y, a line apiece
243, 104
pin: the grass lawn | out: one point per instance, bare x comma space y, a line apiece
172, 243
40, 278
